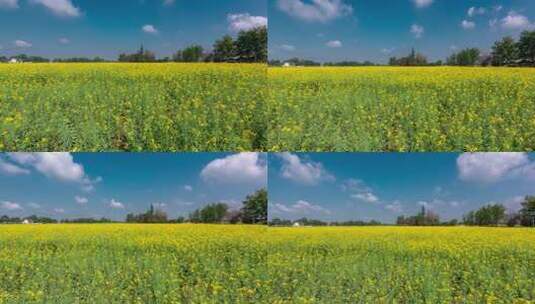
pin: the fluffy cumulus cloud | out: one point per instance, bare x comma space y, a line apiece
302, 171
316, 10
168, 2
9, 4
422, 3
473, 11
468, 25
248, 168
149, 29
11, 169
22, 44
80, 200
494, 167
55, 165
417, 31
10, 206
516, 21
367, 197
245, 22
188, 188
395, 207
116, 204
62, 8
334, 44
301, 207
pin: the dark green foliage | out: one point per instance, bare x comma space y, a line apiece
254, 209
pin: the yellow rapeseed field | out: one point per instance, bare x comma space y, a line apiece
133, 107
401, 109
402, 265
122, 263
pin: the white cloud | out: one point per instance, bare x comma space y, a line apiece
22, 44
168, 2
453, 48
80, 200
367, 197
395, 207
160, 205
473, 11
9, 4
303, 172
149, 29
188, 188
287, 47
11, 169
493, 22
64, 40
62, 8
316, 11
468, 25
249, 168
56, 165
497, 8
245, 22
422, 3
334, 44
387, 51
493, 167
116, 204
10, 206
417, 30
59, 210
300, 207
515, 21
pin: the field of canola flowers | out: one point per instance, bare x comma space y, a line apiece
401, 109
121, 263
402, 265
132, 107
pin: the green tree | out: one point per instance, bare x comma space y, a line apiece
527, 213
251, 46
504, 52
254, 209
224, 49
467, 57
193, 53
526, 46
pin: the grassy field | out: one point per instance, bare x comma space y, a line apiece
401, 109
121, 263
132, 107
402, 265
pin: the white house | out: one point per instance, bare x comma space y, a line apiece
296, 224
27, 222
286, 65
14, 60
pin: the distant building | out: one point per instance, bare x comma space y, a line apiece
286, 65
296, 224
14, 60
27, 222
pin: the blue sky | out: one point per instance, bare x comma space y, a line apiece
64, 185
66, 28
333, 30
360, 186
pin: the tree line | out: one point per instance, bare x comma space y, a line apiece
489, 215
252, 211
506, 52
248, 47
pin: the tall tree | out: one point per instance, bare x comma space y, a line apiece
193, 53
224, 49
504, 52
527, 212
251, 46
526, 46
254, 209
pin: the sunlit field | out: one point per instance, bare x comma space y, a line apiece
401, 109
402, 265
132, 107
120, 263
